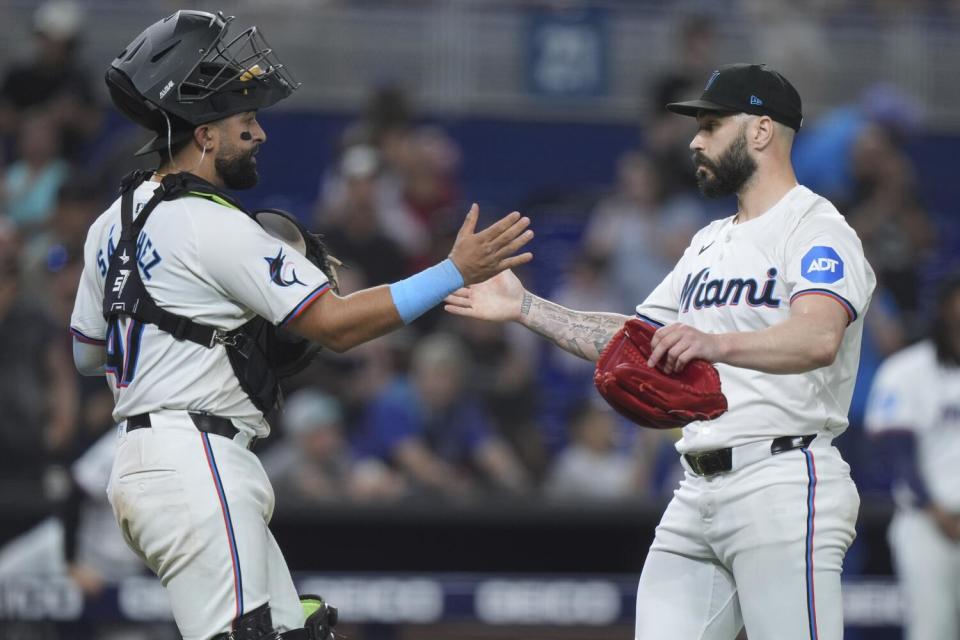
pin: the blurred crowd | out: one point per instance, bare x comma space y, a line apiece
448, 408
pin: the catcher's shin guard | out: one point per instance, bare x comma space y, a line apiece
253, 625
321, 619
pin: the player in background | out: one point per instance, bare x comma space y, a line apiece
190, 497
774, 295
81, 541
913, 414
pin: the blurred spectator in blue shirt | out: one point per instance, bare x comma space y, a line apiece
823, 153
855, 155
889, 216
313, 460
30, 185
503, 376
433, 429
78, 204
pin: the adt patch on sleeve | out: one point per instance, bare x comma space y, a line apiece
821, 264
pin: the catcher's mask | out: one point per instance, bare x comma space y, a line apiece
183, 71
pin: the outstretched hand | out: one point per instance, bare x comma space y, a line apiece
498, 299
482, 254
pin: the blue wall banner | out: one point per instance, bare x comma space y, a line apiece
567, 53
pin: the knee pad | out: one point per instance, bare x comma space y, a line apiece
256, 624
321, 618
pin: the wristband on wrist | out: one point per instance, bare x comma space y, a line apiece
422, 291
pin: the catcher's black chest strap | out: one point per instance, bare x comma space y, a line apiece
710, 463
124, 292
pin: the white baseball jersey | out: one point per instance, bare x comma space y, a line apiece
743, 277
913, 392
205, 261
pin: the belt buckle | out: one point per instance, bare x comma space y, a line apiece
708, 463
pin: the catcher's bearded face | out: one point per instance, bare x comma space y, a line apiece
240, 140
727, 170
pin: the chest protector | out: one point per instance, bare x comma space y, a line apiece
260, 353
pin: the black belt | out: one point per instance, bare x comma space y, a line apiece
204, 422
710, 463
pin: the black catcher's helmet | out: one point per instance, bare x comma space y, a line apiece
184, 66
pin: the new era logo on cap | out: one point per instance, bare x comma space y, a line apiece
736, 88
712, 78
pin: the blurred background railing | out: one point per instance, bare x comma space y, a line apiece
469, 57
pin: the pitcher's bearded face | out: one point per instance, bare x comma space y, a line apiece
726, 174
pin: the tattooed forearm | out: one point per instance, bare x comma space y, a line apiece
525, 305
582, 333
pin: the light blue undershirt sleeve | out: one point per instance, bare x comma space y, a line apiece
422, 291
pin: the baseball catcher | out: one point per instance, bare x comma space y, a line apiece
194, 307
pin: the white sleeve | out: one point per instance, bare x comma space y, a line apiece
266, 275
824, 257
891, 405
89, 359
87, 323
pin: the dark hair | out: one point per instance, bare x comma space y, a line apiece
175, 148
940, 331
181, 133
181, 139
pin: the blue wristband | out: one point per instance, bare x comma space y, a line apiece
422, 291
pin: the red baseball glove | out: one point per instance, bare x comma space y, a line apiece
646, 395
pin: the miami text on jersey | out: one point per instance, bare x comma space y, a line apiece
703, 293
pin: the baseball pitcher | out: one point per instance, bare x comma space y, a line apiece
773, 296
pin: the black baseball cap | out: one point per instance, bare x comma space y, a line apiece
747, 88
